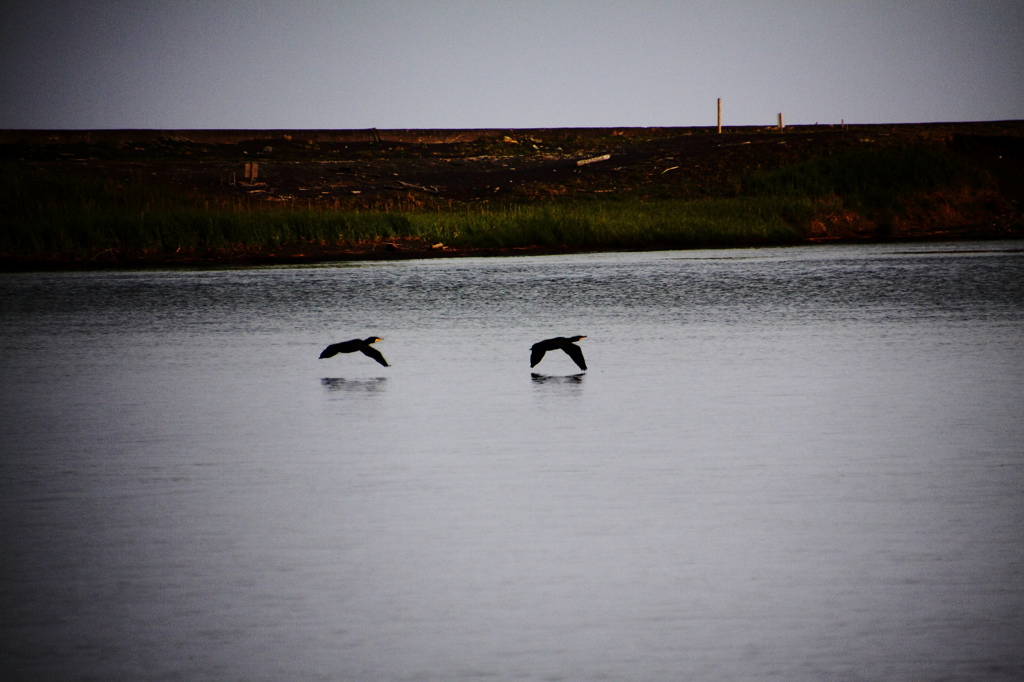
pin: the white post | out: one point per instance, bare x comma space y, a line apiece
782, 124
719, 115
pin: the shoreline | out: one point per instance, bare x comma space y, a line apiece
169, 181
298, 255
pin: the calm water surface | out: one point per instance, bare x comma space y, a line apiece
783, 464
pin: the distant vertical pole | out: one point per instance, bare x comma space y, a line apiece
719, 115
782, 123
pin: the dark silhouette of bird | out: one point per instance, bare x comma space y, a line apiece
361, 345
538, 350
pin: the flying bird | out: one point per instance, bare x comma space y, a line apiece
538, 350
361, 345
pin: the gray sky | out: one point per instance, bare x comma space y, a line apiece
509, 64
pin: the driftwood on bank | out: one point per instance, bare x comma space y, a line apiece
595, 159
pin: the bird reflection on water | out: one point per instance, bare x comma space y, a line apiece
565, 380
334, 384
557, 386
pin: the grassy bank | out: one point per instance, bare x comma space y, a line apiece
50, 214
64, 214
622, 223
77, 217
869, 181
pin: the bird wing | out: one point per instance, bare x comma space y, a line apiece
536, 355
576, 353
331, 351
372, 352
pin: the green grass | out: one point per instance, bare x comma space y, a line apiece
48, 215
869, 180
52, 215
628, 223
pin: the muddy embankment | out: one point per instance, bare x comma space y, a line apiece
409, 171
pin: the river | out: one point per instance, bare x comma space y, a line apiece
782, 464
